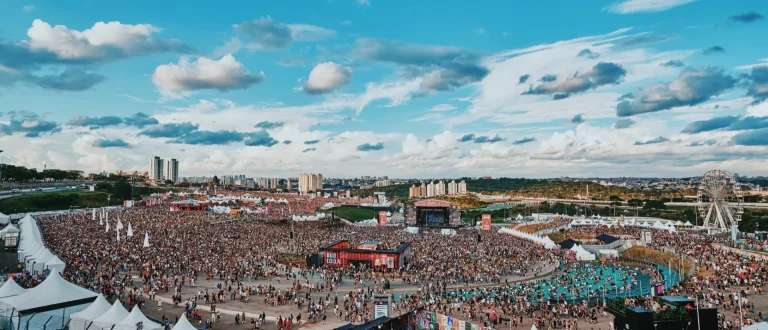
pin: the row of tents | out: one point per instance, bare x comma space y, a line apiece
103, 315
33, 254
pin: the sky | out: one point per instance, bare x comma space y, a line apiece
400, 88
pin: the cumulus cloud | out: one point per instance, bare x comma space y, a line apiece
731, 123
466, 138
692, 86
524, 140
259, 139
604, 73
623, 123
169, 130
577, 119
644, 6
95, 122
269, 124
486, 139
101, 42
587, 53
748, 17
548, 78
70, 80
29, 124
111, 143
204, 73
443, 68
657, 140
140, 120
311, 142
268, 33
326, 77
370, 147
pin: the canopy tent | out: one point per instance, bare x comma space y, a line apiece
183, 324
136, 317
81, 320
53, 293
607, 239
569, 243
582, 254
56, 263
9, 229
113, 316
10, 289
4, 218
757, 326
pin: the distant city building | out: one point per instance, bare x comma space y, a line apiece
310, 182
453, 188
172, 170
462, 187
288, 184
383, 183
156, 168
414, 191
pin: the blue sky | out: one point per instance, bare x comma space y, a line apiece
398, 88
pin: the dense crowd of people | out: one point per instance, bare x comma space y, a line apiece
461, 275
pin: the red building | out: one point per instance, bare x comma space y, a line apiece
340, 254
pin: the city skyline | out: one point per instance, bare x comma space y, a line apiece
596, 89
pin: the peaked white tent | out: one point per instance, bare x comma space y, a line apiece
146, 239
111, 317
10, 289
183, 324
54, 293
9, 229
81, 320
55, 263
4, 218
135, 317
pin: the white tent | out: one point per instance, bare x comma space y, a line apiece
135, 317
111, 317
81, 320
9, 229
56, 263
146, 239
757, 326
4, 218
54, 291
10, 289
183, 324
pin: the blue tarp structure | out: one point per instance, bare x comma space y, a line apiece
607, 239
569, 243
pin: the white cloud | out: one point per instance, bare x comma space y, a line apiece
363, 2
204, 73
230, 47
101, 40
443, 107
306, 32
326, 77
645, 6
28, 8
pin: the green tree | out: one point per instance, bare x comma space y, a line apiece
216, 180
654, 205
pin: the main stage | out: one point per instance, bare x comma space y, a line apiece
435, 213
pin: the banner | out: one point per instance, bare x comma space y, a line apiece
486, 222
382, 218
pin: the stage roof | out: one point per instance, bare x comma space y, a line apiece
433, 203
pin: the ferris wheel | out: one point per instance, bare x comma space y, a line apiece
720, 200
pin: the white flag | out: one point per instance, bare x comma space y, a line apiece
130, 231
119, 224
107, 226
93, 215
118, 235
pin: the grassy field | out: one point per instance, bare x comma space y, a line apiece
354, 214
60, 200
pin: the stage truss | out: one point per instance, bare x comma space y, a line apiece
720, 200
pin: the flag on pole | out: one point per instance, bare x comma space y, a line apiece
119, 224
118, 235
93, 215
107, 226
130, 231
146, 239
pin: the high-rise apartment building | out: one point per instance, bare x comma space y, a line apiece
431, 189
288, 184
310, 182
172, 170
453, 188
156, 168
462, 187
414, 191
440, 189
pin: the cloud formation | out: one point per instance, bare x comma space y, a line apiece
111, 143
326, 77
268, 33
758, 87
603, 73
623, 123
370, 147
731, 123
29, 124
692, 86
169, 130
657, 140
713, 50
269, 124
204, 73
577, 119
644, 6
587, 53
524, 140
748, 17
752, 138
311, 142
673, 64
259, 139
